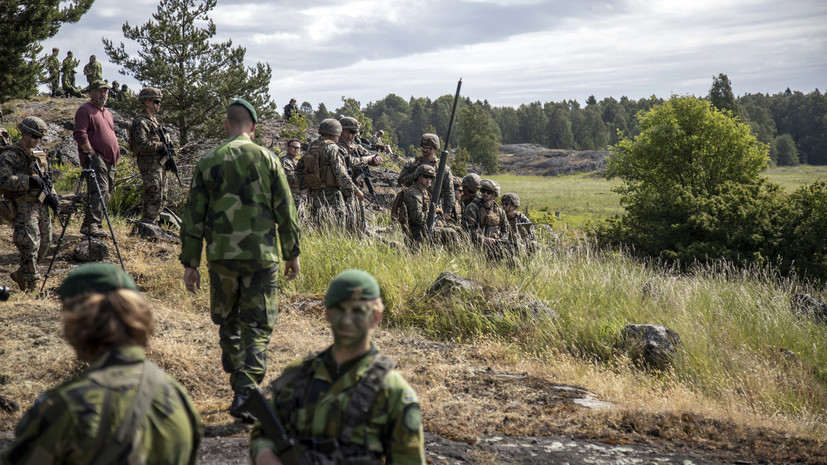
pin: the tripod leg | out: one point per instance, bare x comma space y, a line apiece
65, 225
106, 215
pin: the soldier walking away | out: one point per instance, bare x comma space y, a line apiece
53, 68
27, 197
240, 204
93, 70
429, 146
122, 408
288, 163
98, 149
68, 79
146, 144
347, 404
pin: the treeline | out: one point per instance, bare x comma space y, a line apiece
792, 124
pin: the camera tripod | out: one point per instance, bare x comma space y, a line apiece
85, 172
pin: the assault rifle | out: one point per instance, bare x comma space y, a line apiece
290, 452
46, 196
364, 172
168, 161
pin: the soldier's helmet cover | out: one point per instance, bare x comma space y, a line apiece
472, 181
491, 185
424, 170
429, 140
513, 198
348, 122
148, 93
32, 125
457, 181
330, 127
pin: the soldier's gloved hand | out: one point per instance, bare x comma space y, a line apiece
36, 183
53, 202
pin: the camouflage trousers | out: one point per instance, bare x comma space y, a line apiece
244, 305
32, 236
327, 207
105, 174
356, 220
152, 187
300, 200
54, 87
69, 87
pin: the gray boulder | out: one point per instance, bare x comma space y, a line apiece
153, 232
91, 249
448, 283
807, 306
653, 345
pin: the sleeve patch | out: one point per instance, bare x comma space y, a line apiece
412, 418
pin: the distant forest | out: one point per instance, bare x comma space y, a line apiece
791, 123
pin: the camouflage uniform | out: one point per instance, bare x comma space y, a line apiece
406, 178
53, 67
327, 202
316, 414
32, 223
64, 425
417, 203
145, 143
523, 231
68, 79
354, 161
93, 71
240, 203
481, 222
299, 196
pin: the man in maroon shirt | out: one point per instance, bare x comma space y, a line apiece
98, 150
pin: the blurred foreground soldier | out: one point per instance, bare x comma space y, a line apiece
145, 143
520, 225
288, 163
122, 409
483, 219
323, 171
240, 204
98, 149
93, 70
27, 199
429, 145
68, 79
53, 68
358, 157
470, 189
347, 405
290, 109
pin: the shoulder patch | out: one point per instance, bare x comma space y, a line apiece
412, 418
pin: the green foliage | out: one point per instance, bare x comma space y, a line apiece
199, 77
296, 127
480, 136
785, 151
351, 108
23, 24
802, 245
459, 164
721, 96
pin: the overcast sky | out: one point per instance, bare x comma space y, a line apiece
507, 51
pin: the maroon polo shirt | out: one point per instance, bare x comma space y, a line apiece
96, 126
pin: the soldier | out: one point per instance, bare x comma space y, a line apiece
26, 192
288, 163
115, 91
53, 67
68, 80
429, 145
484, 220
126, 93
93, 70
377, 144
347, 404
99, 150
357, 158
417, 202
122, 408
454, 216
323, 171
470, 189
146, 144
290, 109
241, 205
519, 223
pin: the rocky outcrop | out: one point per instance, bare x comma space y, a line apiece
533, 159
809, 307
654, 346
91, 249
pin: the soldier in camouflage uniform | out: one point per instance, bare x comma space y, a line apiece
323, 171
485, 221
240, 204
417, 202
357, 157
93, 70
429, 145
470, 189
288, 163
68, 80
347, 405
53, 67
145, 143
120, 395
26, 191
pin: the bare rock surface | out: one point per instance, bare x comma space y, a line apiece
533, 159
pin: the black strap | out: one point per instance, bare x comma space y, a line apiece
364, 394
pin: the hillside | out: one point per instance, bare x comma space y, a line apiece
533, 159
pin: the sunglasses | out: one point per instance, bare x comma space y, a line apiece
507, 204
353, 131
428, 176
297, 147
156, 102
458, 189
35, 136
486, 191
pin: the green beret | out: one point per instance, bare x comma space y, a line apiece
248, 106
351, 284
95, 278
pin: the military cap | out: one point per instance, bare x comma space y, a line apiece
247, 105
98, 84
330, 127
148, 93
513, 198
424, 169
491, 185
349, 122
95, 278
32, 125
429, 140
472, 181
351, 284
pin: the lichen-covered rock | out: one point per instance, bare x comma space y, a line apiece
653, 345
91, 249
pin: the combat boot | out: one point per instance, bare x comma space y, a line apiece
17, 277
236, 411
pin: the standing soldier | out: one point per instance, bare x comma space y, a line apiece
357, 158
26, 192
68, 79
324, 172
93, 70
484, 220
53, 67
347, 404
240, 204
417, 202
146, 144
288, 163
429, 145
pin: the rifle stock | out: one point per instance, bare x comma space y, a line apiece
289, 451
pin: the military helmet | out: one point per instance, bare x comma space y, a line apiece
32, 125
511, 197
490, 185
330, 127
457, 181
429, 140
424, 170
349, 122
148, 93
472, 182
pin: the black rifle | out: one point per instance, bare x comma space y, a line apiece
443, 159
48, 198
364, 172
289, 451
168, 161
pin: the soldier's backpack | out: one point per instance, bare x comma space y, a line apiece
315, 176
399, 211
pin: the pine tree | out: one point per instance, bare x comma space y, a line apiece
199, 78
721, 96
23, 24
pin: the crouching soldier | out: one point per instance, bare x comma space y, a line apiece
520, 225
486, 222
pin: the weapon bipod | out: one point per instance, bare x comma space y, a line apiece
86, 171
